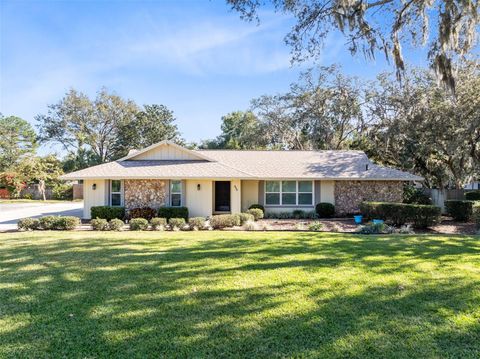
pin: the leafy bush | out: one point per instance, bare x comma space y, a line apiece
143, 212
375, 228
421, 216
66, 223
47, 222
413, 195
245, 217
257, 213
158, 223
472, 195
177, 223
173, 212
138, 224
223, 221
257, 206
115, 224
197, 222
107, 212
298, 214
315, 226
459, 210
249, 226
28, 224
99, 224
325, 210
63, 191
476, 213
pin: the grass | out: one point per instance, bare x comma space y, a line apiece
229, 294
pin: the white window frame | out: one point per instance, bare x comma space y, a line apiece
181, 193
281, 193
121, 193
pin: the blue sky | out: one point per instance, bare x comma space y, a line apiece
196, 57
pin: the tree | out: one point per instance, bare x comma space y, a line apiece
17, 139
379, 26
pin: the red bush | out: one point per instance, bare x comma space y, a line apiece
4, 193
144, 212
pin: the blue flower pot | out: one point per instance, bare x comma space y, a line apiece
377, 221
358, 219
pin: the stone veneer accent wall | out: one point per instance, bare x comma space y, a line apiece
349, 194
144, 193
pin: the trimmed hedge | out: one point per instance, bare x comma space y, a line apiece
459, 210
173, 212
177, 223
476, 213
138, 224
421, 216
58, 223
107, 212
144, 212
224, 221
28, 224
259, 206
245, 217
158, 223
325, 210
115, 224
472, 195
99, 224
197, 223
257, 213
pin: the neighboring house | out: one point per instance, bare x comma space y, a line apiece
472, 185
223, 181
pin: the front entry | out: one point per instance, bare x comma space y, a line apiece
222, 196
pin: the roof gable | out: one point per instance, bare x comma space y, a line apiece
165, 151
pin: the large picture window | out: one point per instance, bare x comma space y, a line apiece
116, 193
176, 193
288, 193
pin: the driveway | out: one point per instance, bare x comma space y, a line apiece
10, 213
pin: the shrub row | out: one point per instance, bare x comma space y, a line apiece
459, 210
58, 223
296, 214
473, 195
421, 216
107, 212
101, 224
110, 212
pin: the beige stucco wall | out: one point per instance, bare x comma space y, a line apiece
327, 191
166, 152
199, 202
235, 196
97, 197
249, 194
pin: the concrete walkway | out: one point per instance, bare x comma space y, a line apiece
10, 213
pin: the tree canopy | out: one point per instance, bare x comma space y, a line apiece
17, 139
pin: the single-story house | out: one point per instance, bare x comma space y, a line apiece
229, 181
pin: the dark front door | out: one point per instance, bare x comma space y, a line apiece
222, 196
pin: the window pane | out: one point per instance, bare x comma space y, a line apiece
272, 186
116, 185
289, 186
116, 199
176, 186
304, 198
304, 186
272, 198
289, 198
176, 200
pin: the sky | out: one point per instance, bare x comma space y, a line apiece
196, 57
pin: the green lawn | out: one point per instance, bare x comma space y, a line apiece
233, 294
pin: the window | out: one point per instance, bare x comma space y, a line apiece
116, 193
288, 193
176, 193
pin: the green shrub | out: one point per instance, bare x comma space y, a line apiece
63, 191
158, 223
107, 212
257, 206
257, 213
245, 217
375, 228
138, 224
28, 224
315, 226
47, 222
144, 212
223, 221
99, 224
298, 214
472, 195
178, 223
325, 210
66, 223
413, 195
476, 213
115, 224
459, 210
421, 216
173, 212
197, 222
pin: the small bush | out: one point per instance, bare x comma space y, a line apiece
173, 212
257, 206
249, 226
257, 213
375, 228
178, 223
138, 224
476, 213
197, 222
315, 226
459, 210
223, 221
143, 212
47, 222
158, 224
107, 212
325, 210
298, 214
28, 224
472, 195
115, 224
66, 223
99, 224
421, 216
245, 217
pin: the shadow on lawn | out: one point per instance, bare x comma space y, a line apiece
137, 298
